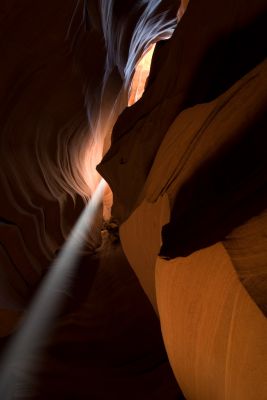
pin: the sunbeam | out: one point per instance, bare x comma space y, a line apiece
38, 322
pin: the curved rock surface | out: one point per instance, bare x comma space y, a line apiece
188, 157
213, 46
107, 342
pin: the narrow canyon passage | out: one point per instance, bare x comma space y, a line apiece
165, 103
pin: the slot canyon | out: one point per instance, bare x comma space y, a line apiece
133, 206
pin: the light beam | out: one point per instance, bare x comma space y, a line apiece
38, 322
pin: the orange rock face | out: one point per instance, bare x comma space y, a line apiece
139, 80
186, 162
